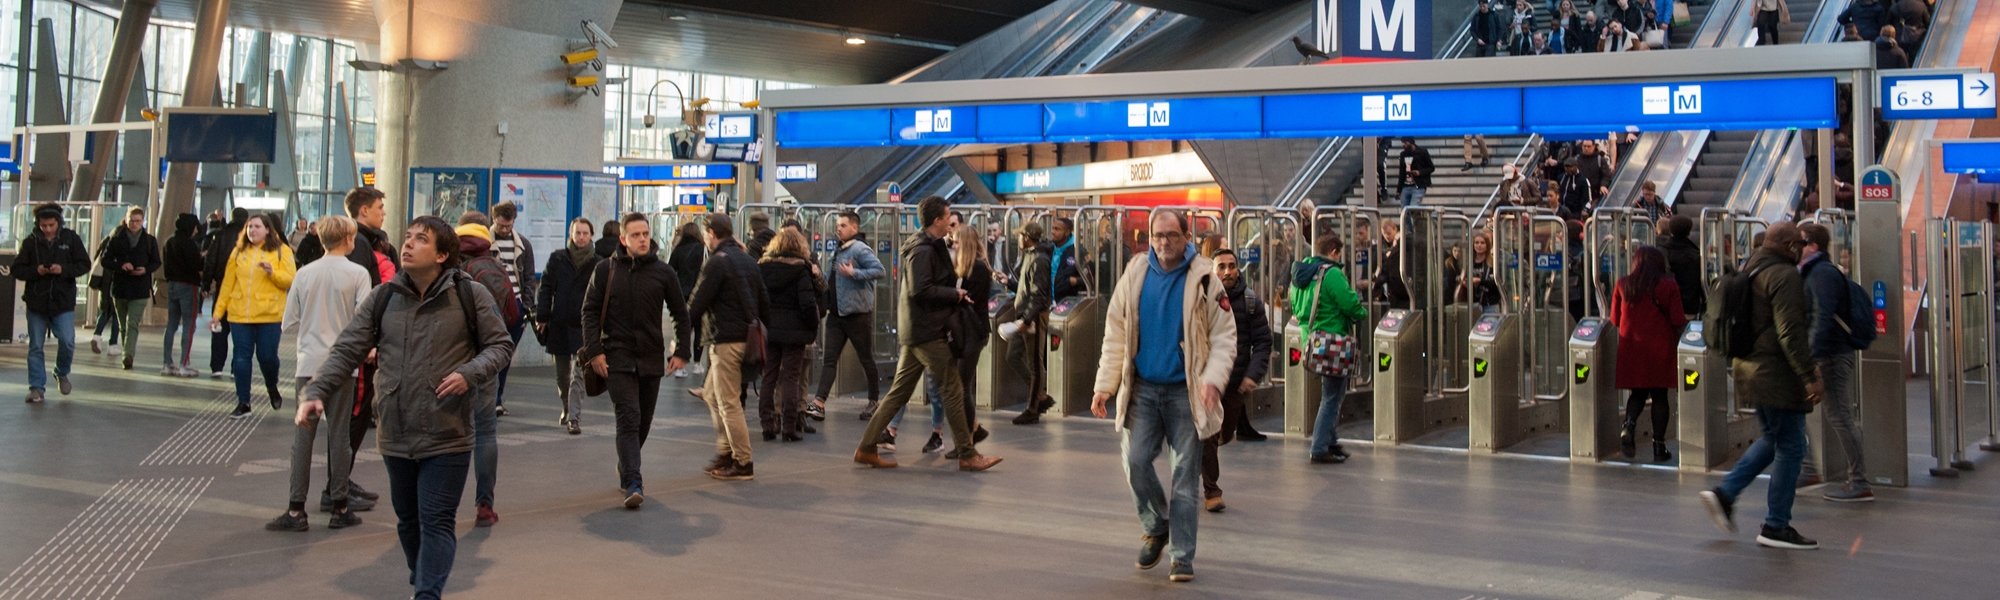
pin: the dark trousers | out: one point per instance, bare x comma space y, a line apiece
1486, 49
1661, 411
218, 349
633, 397
968, 379
778, 394
1232, 417
1767, 28
841, 331
107, 314
500, 397
1030, 358
364, 408
426, 493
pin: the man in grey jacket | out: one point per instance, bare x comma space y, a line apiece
855, 270
445, 334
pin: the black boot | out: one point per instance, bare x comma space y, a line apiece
789, 425
1660, 453
1248, 433
805, 426
1626, 442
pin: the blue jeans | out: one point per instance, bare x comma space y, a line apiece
1412, 195
485, 447
1332, 391
937, 406
183, 301
39, 327
1784, 442
263, 339
426, 494
1161, 414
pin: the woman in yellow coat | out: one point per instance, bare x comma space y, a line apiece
252, 301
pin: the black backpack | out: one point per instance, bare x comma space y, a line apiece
1728, 331
1859, 318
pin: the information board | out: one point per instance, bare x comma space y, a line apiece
1177, 119
596, 197
1491, 111
936, 125
1738, 104
730, 128
1937, 96
542, 200
835, 128
447, 193
1978, 157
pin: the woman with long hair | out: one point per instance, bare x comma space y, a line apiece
975, 276
1646, 308
1477, 285
252, 301
795, 287
685, 258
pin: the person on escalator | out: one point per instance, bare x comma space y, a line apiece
1868, 17
1889, 55
1577, 191
1068, 281
1649, 200
1646, 308
1031, 302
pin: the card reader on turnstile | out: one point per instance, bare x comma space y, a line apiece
1493, 399
1076, 338
1593, 390
998, 385
1709, 433
1398, 360
1302, 385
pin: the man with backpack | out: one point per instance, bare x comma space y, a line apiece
1842, 322
1761, 319
475, 245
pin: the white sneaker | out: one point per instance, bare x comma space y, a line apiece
680, 373
216, 375
697, 369
169, 371
116, 350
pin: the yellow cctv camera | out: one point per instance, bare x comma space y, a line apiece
584, 81
585, 55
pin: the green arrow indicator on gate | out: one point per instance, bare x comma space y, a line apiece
1479, 367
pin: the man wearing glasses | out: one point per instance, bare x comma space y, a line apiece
1169, 345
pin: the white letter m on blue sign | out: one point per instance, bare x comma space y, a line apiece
1400, 18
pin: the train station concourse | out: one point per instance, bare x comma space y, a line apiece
1425, 299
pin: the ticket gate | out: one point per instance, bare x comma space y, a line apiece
1076, 339
1712, 430
1265, 240
883, 227
998, 386
1403, 411
1960, 296
1593, 390
1501, 413
1356, 226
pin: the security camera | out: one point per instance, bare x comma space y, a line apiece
427, 65
597, 34
586, 55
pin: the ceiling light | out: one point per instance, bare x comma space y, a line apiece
852, 39
675, 15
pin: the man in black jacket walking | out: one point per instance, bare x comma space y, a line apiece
1253, 359
181, 260
1486, 31
1027, 352
623, 336
729, 297
927, 299
1684, 260
1417, 169
215, 263
48, 263
131, 257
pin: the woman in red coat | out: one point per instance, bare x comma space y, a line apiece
1646, 307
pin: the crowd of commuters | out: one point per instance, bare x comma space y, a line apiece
1497, 28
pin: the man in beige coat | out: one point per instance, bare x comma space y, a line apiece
1169, 342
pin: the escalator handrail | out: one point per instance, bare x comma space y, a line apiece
1766, 187
1492, 200
1635, 167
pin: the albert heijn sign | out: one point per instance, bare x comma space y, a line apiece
1373, 29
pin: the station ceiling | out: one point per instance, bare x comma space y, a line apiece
785, 40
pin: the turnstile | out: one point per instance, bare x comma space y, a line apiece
1355, 225
1593, 390
1302, 390
1403, 411
1501, 414
1712, 430
999, 385
1076, 338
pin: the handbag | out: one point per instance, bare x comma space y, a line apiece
99, 280
1681, 17
753, 334
593, 384
1329, 354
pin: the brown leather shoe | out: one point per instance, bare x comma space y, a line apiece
977, 463
875, 460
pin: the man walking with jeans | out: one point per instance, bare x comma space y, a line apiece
1169, 345
48, 263
1833, 356
1778, 379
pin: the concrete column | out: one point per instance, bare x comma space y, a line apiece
502, 68
125, 47
210, 25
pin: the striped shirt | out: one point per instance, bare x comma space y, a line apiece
505, 250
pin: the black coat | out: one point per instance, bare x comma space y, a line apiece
1684, 260
310, 249
120, 249
559, 302
216, 263
928, 292
1418, 168
980, 287
365, 241
1253, 335
729, 295
51, 294
1389, 284
181, 260
795, 300
608, 244
628, 332
686, 260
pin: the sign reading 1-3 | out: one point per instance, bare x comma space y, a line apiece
1917, 94
731, 128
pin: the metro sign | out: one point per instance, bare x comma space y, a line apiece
1391, 29
1671, 100
1148, 114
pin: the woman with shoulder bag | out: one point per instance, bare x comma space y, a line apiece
559, 314
1646, 309
1325, 301
795, 287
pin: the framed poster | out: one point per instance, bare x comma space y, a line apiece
596, 198
447, 192
543, 198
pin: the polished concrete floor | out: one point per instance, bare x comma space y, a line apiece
135, 487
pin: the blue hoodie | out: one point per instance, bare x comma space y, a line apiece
1160, 360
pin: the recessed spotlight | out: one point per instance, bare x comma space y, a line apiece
852, 39
676, 15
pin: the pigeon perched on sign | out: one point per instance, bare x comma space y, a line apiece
1307, 52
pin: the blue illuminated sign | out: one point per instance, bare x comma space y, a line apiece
1436, 112
1548, 262
1010, 123
835, 128
1053, 179
1744, 104
936, 125
1181, 119
666, 174
730, 128
1374, 28
1937, 96
1976, 157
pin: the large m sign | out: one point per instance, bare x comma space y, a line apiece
1393, 29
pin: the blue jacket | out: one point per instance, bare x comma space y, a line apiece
1159, 359
855, 295
1827, 287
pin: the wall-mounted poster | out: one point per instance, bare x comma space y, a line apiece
543, 200
447, 193
597, 197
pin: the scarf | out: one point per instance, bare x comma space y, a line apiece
578, 255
